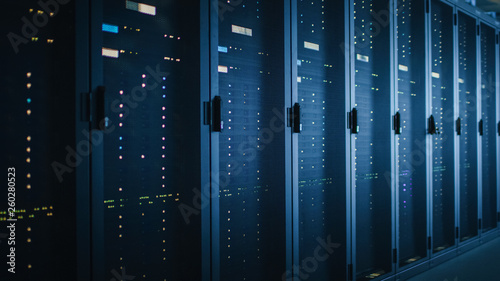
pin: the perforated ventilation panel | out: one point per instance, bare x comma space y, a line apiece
467, 94
150, 57
443, 181
372, 144
322, 147
411, 161
252, 147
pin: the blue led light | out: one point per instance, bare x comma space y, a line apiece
121, 138
164, 96
109, 28
121, 147
28, 100
222, 49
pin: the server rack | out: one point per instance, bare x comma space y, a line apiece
40, 165
146, 161
410, 128
467, 100
488, 132
370, 121
321, 148
250, 140
443, 206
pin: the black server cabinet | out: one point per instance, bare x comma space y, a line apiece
249, 151
38, 228
441, 126
410, 125
371, 125
488, 131
467, 106
321, 150
146, 158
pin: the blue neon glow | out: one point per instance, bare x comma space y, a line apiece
109, 28
222, 49
29, 100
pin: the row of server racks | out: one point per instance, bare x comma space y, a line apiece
247, 139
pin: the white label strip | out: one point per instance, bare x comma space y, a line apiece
111, 53
403, 67
363, 58
311, 46
222, 69
241, 30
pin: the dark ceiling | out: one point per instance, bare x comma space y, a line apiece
489, 5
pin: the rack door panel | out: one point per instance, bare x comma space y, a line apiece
150, 68
467, 83
372, 143
38, 131
252, 142
321, 147
489, 137
412, 140
443, 176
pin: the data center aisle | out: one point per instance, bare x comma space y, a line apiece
480, 264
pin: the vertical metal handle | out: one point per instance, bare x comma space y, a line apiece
353, 121
459, 126
100, 105
481, 127
217, 124
432, 125
297, 127
397, 123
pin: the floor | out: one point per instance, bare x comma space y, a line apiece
480, 264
